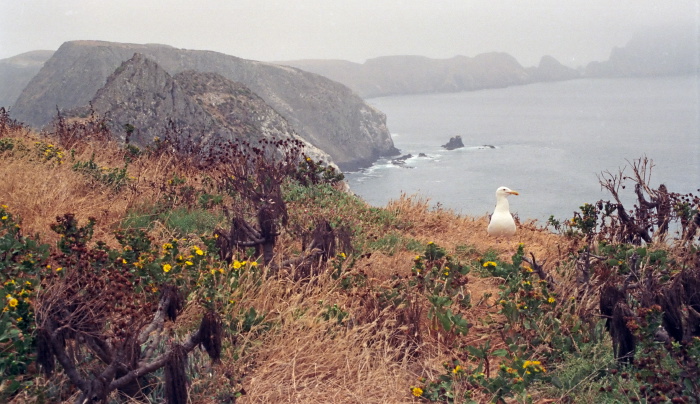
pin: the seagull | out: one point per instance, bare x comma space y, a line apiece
502, 223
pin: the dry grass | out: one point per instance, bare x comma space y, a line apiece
39, 192
301, 359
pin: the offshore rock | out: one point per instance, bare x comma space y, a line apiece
454, 143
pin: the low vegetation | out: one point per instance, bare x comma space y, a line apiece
246, 273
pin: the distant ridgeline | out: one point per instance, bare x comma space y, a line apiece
240, 97
668, 50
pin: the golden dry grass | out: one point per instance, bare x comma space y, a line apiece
301, 359
39, 192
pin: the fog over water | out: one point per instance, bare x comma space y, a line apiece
550, 139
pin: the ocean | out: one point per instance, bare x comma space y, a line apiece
548, 141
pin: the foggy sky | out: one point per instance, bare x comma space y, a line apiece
575, 32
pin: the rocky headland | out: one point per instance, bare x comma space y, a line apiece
202, 106
325, 113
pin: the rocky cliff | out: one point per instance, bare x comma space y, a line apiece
17, 71
203, 106
325, 113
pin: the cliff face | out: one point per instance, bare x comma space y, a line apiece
416, 74
204, 106
16, 72
324, 113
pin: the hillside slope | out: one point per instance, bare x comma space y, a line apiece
17, 71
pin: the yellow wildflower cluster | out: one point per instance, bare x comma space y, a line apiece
49, 151
533, 366
489, 264
239, 264
197, 250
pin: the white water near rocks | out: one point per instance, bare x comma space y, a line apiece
550, 140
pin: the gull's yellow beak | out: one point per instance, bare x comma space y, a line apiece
513, 192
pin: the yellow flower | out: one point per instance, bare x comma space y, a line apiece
253, 264
236, 264
551, 300
188, 263
12, 302
123, 260
430, 242
197, 250
457, 369
167, 246
59, 269
417, 391
417, 258
447, 273
342, 254
4, 217
4, 206
167, 268
535, 366
212, 271
19, 319
489, 264
221, 270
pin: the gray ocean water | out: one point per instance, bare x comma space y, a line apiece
550, 140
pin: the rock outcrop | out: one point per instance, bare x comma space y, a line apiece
324, 113
203, 106
454, 143
17, 71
